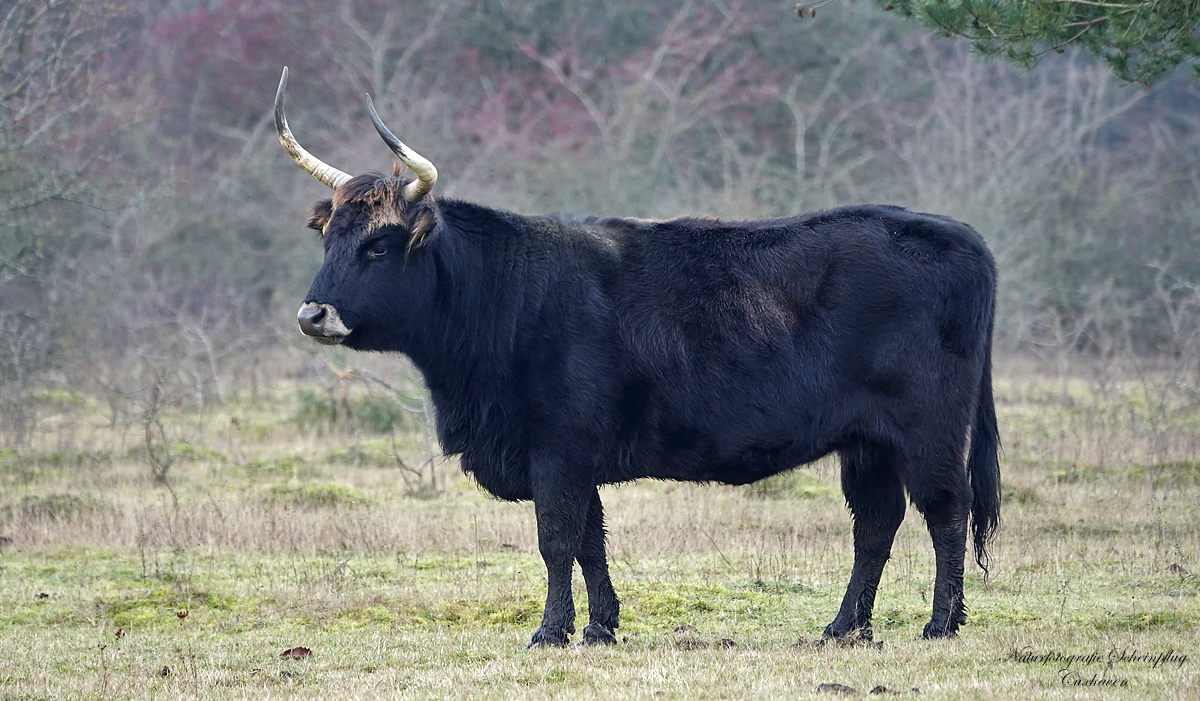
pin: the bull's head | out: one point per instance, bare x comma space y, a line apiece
368, 226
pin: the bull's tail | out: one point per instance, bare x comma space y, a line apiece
983, 464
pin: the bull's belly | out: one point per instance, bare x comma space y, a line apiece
743, 467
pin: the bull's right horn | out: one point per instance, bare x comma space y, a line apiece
312, 165
426, 173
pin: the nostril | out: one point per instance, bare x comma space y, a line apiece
311, 318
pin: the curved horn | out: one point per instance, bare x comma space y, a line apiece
312, 165
426, 173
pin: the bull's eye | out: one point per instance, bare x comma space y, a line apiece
378, 251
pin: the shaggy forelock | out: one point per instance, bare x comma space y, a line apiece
382, 197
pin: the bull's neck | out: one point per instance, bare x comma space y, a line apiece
486, 284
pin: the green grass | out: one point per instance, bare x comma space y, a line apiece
275, 538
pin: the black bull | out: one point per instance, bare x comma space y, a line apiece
563, 354
566, 353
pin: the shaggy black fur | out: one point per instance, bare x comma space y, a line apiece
566, 352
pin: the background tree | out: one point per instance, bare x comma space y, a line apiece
54, 132
1142, 40
152, 243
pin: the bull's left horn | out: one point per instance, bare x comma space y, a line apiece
312, 165
426, 173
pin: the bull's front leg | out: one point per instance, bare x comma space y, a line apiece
560, 501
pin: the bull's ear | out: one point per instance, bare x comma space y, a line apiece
320, 216
423, 222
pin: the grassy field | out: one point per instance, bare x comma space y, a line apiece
278, 532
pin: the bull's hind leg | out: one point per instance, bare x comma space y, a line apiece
603, 606
876, 498
942, 494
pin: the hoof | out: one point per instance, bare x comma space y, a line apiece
935, 631
543, 638
596, 634
848, 638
